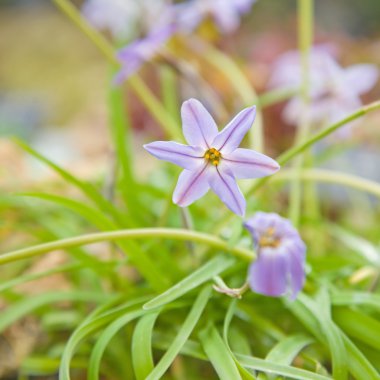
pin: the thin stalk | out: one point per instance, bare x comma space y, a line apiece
169, 91
136, 84
305, 37
130, 234
333, 177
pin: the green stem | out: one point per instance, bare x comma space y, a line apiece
169, 91
305, 37
330, 176
275, 96
137, 85
141, 233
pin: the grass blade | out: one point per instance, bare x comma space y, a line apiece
182, 336
279, 369
218, 354
201, 275
104, 339
142, 357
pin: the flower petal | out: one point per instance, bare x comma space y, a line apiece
246, 163
361, 78
268, 274
191, 186
296, 274
199, 127
188, 157
226, 16
225, 187
230, 137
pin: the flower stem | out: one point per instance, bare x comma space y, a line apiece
305, 37
330, 176
136, 84
131, 234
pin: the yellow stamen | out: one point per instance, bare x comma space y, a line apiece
213, 156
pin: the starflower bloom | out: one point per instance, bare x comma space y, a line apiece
134, 55
279, 267
212, 159
225, 13
334, 91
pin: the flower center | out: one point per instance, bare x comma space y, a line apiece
213, 156
268, 239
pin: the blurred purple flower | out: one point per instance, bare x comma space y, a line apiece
212, 158
134, 55
334, 91
226, 13
279, 268
126, 18
118, 16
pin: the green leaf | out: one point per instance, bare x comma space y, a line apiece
287, 349
245, 375
104, 339
358, 325
182, 336
89, 190
356, 298
218, 354
28, 305
34, 276
142, 356
358, 365
201, 275
334, 340
100, 317
279, 369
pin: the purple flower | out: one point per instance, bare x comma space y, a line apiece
123, 18
134, 55
226, 13
118, 16
279, 268
212, 158
334, 91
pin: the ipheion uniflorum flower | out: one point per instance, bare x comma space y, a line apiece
279, 267
213, 159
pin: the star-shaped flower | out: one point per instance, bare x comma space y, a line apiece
279, 268
212, 159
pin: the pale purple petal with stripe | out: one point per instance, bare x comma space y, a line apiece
268, 274
199, 127
231, 136
225, 187
191, 186
186, 156
246, 163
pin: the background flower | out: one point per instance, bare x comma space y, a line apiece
134, 55
212, 158
334, 91
279, 268
225, 13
